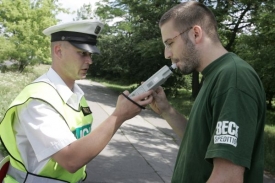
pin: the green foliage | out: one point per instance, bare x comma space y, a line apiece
11, 67
85, 12
270, 148
116, 86
233, 17
258, 48
5, 48
270, 118
183, 102
22, 23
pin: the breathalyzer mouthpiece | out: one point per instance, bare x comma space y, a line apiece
173, 66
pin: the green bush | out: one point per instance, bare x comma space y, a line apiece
270, 118
11, 83
270, 148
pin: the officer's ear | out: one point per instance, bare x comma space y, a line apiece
57, 49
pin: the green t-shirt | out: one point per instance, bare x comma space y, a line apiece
226, 121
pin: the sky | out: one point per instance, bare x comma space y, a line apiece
73, 5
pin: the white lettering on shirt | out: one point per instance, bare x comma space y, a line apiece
226, 133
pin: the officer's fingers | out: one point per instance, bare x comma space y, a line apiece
147, 100
126, 92
142, 96
135, 100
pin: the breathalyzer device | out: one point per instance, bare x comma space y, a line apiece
155, 80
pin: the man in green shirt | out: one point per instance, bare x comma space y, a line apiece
223, 139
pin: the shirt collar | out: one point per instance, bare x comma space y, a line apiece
72, 98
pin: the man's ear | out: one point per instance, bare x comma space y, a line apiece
197, 33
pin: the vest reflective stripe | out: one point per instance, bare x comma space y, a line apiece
75, 119
21, 176
17, 174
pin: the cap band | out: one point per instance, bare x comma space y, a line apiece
73, 37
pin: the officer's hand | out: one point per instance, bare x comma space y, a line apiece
127, 108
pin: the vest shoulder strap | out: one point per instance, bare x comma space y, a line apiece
34, 91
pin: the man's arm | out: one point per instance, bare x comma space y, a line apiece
177, 121
81, 151
162, 107
225, 171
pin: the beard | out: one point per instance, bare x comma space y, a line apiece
188, 59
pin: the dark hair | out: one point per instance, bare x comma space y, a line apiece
192, 13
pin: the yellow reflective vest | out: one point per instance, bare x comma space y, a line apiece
78, 121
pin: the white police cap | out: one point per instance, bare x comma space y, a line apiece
82, 34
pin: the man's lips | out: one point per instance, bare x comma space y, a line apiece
175, 62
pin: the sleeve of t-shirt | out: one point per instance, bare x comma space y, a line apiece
45, 129
235, 124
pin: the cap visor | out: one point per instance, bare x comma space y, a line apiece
86, 47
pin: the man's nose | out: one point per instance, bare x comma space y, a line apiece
167, 53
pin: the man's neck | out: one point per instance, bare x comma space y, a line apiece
210, 54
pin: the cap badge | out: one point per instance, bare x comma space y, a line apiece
97, 29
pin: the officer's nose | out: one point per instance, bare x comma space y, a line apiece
89, 60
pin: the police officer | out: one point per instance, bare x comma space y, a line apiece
46, 129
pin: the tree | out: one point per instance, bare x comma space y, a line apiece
85, 12
22, 26
5, 48
258, 47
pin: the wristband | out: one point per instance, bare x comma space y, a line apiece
133, 101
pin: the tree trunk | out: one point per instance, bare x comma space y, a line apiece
269, 98
21, 67
195, 84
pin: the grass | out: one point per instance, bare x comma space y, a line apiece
270, 148
115, 86
183, 102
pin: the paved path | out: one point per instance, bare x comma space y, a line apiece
143, 150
